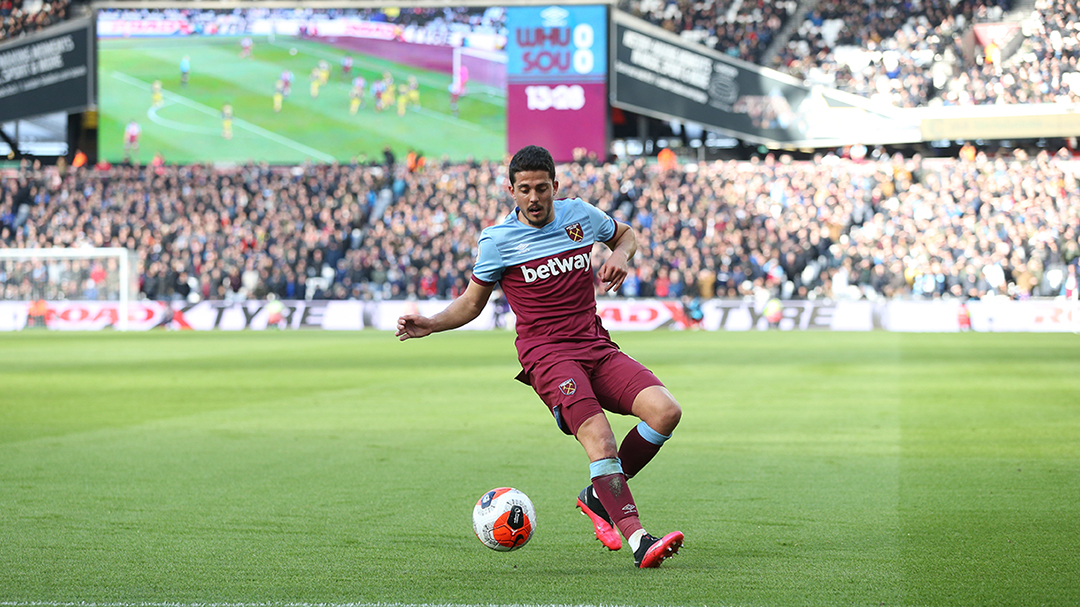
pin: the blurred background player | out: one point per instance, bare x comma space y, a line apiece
286, 79
226, 121
275, 319
131, 137
324, 72
316, 81
377, 89
356, 94
402, 98
457, 87
185, 70
157, 98
279, 95
245, 47
414, 93
346, 67
389, 92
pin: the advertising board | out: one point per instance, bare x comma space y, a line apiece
51, 71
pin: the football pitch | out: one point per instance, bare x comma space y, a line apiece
187, 126
340, 469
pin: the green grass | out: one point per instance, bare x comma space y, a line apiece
188, 128
277, 467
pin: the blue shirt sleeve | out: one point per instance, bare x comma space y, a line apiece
602, 223
489, 264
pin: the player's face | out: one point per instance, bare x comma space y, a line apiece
534, 192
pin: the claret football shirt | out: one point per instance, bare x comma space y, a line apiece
546, 273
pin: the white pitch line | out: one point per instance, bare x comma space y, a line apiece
152, 114
244, 124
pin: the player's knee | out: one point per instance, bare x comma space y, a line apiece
596, 437
670, 415
658, 408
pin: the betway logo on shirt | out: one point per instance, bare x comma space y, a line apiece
556, 266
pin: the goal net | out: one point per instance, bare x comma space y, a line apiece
478, 69
36, 276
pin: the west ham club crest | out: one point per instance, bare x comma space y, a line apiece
568, 387
575, 232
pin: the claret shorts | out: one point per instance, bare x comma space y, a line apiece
576, 389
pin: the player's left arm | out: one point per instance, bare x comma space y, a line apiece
623, 245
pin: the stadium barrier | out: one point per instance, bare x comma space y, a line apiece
1045, 315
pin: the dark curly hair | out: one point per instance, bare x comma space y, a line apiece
531, 158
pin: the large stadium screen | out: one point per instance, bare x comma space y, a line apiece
287, 86
557, 58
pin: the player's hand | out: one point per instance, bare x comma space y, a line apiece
613, 272
413, 325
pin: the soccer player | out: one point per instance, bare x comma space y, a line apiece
388, 94
287, 78
540, 255
157, 98
458, 87
226, 121
131, 137
346, 66
402, 98
316, 81
377, 89
414, 93
279, 95
245, 47
356, 95
185, 70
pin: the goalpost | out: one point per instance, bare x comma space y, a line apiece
76, 274
481, 67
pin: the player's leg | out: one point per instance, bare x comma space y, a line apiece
608, 482
564, 387
659, 413
625, 386
609, 485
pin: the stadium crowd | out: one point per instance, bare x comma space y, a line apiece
912, 55
1046, 69
908, 54
740, 29
18, 17
889, 227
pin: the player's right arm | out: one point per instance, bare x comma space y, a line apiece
460, 312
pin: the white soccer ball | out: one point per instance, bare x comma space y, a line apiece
504, 519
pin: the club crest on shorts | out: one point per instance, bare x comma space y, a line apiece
568, 387
575, 232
